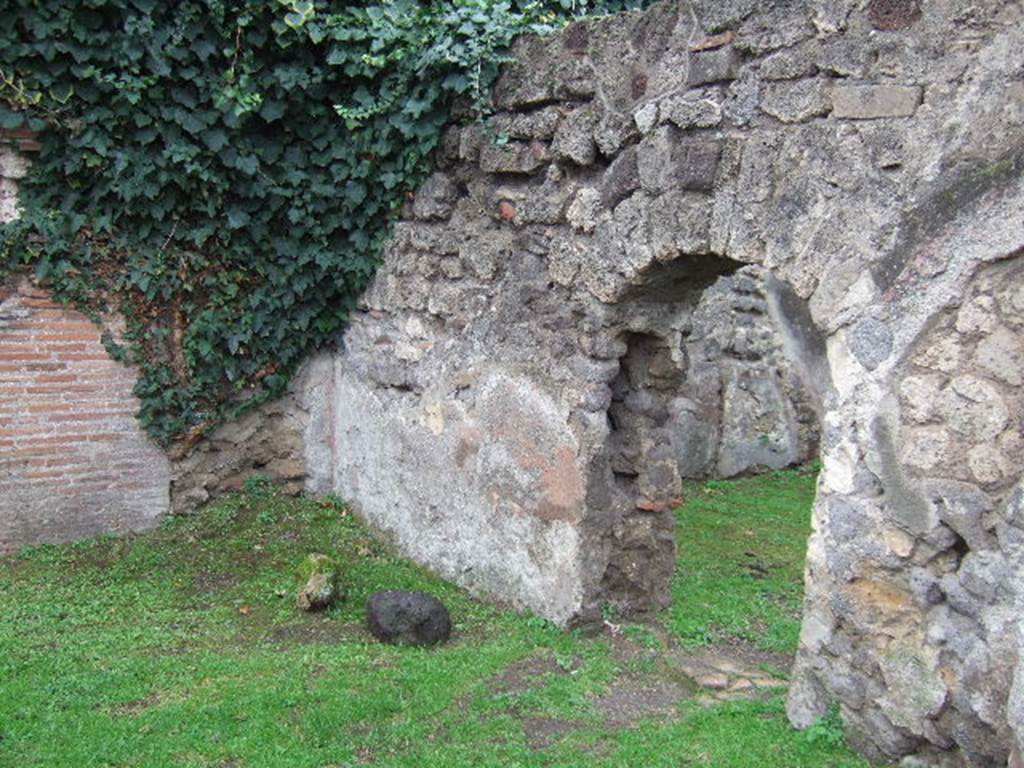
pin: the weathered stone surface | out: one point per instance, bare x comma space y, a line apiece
1001, 355
974, 408
436, 198
915, 691
666, 162
795, 102
321, 586
790, 63
13, 167
408, 618
868, 102
694, 109
713, 66
513, 157
280, 440
871, 343
574, 139
718, 281
892, 15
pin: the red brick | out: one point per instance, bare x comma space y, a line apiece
72, 334
69, 441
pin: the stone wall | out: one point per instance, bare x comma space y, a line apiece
13, 167
542, 355
74, 461
749, 405
268, 441
695, 241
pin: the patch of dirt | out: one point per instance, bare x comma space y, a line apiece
626, 650
542, 732
750, 655
364, 756
315, 630
211, 583
665, 674
13, 563
527, 673
725, 673
132, 708
630, 700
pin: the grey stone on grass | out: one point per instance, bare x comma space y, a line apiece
408, 618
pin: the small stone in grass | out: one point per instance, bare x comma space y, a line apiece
321, 583
410, 618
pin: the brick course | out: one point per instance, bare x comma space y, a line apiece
73, 459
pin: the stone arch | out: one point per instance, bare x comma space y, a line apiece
505, 398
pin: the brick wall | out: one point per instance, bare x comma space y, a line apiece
73, 459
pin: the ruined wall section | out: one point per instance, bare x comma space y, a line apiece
514, 395
281, 440
750, 405
525, 379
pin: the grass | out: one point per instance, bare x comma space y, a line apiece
739, 574
183, 647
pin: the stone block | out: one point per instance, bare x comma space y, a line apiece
436, 198
692, 110
974, 408
795, 101
13, 165
646, 117
9, 210
870, 342
1001, 355
514, 157
620, 180
713, 66
408, 618
666, 161
869, 102
574, 139
790, 63
539, 124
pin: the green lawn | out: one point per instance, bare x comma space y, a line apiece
182, 647
739, 573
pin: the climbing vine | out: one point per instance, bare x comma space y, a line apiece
222, 172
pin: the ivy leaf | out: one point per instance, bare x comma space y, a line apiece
9, 119
355, 192
237, 218
180, 112
272, 110
216, 139
204, 49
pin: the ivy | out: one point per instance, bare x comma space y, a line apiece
223, 172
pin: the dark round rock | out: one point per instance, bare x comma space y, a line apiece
412, 618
